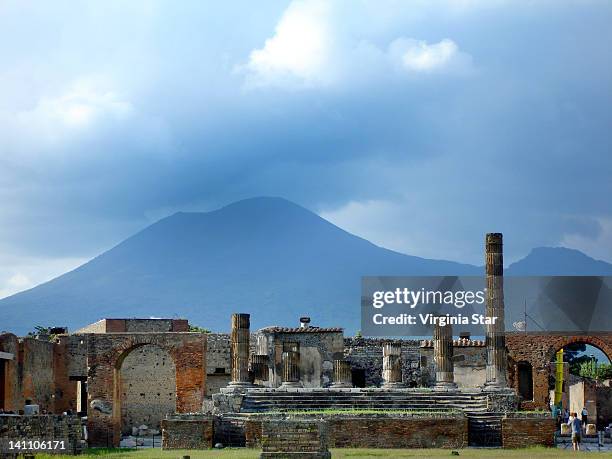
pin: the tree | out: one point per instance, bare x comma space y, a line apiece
197, 329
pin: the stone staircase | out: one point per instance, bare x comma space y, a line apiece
260, 401
484, 428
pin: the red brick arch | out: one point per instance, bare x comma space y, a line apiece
539, 350
105, 355
595, 341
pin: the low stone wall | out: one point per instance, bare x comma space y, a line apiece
524, 431
187, 432
382, 431
299, 438
44, 428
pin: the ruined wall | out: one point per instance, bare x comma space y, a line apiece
218, 362
148, 387
65, 388
383, 431
366, 354
524, 432
47, 428
36, 360
539, 350
318, 349
106, 353
76, 347
187, 432
13, 397
469, 363
136, 326
604, 406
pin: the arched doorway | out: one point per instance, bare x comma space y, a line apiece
146, 387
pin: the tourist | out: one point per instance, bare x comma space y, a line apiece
585, 415
565, 416
576, 426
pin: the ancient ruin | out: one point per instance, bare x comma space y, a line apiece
155, 381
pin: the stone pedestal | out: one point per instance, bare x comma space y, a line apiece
291, 369
443, 358
343, 377
392, 365
497, 360
239, 349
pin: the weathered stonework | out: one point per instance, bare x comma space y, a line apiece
289, 438
44, 427
106, 354
526, 431
365, 355
187, 432
539, 349
381, 431
497, 362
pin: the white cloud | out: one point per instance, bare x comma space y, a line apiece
300, 49
598, 246
312, 47
419, 56
27, 272
83, 103
82, 106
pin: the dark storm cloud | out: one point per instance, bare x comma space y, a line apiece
462, 119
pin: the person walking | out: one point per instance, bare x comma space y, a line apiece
576, 426
585, 417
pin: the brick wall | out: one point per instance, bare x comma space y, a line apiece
48, 428
301, 436
194, 432
36, 360
383, 432
539, 350
522, 432
106, 354
13, 398
148, 388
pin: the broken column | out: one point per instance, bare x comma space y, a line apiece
392, 365
291, 369
443, 357
239, 348
343, 377
497, 360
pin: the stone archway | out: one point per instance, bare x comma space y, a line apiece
146, 387
106, 355
539, 349
591, 340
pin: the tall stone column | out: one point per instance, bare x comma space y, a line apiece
239, 348
392, 365
291, 369
443, 357
343, 377
497, 360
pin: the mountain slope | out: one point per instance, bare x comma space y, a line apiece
266, 256
558, 261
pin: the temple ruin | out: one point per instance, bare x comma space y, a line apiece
203, 388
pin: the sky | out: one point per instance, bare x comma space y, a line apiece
418, 125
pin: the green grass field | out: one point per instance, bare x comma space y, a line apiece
241, 453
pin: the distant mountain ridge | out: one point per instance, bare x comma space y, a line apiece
266, 256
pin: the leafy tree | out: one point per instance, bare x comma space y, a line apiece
197, 329
45, 331
593, 370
